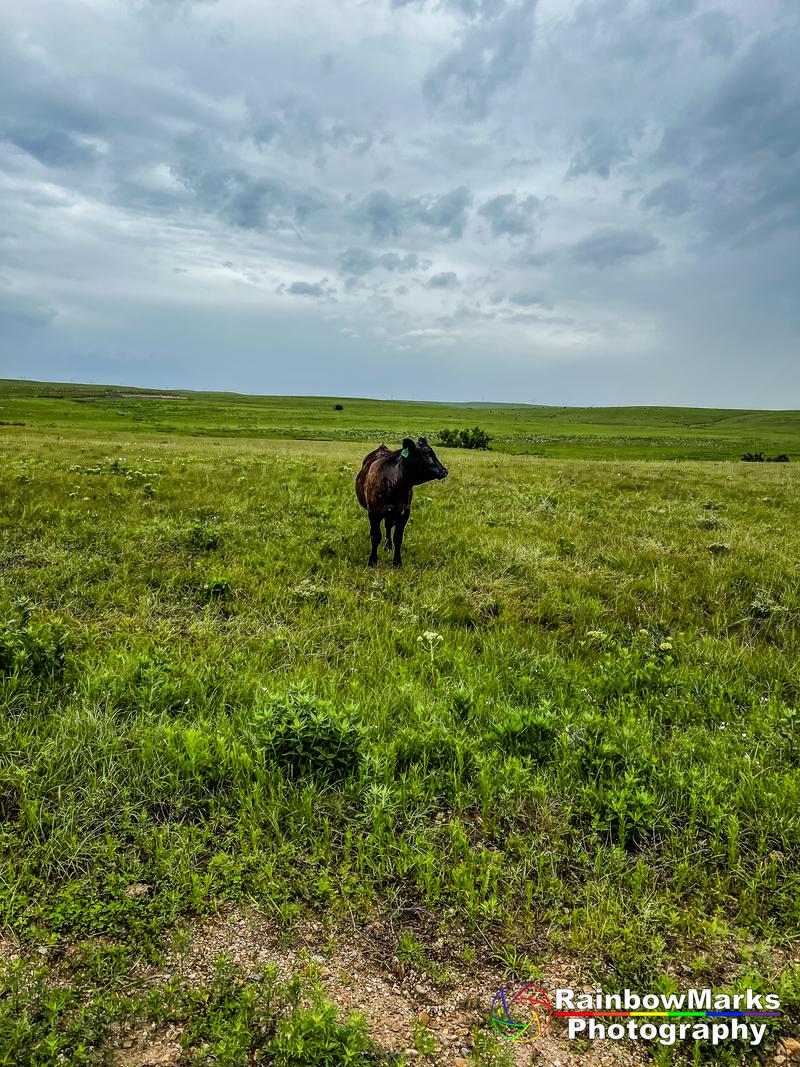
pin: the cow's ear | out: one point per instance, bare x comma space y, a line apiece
422, 441
408, 444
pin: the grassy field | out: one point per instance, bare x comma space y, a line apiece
588, 433
569, 726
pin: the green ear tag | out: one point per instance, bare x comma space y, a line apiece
404, 453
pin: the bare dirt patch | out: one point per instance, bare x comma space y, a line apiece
360, 971
149, 1048
8, 950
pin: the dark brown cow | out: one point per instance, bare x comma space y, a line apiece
384, 486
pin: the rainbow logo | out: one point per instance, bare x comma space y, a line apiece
521, 1011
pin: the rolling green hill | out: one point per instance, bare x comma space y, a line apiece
562, 432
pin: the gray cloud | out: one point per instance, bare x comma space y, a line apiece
296, 125
608, 246
167, 8
398, 264
356, 262
673, 9
22, 312
743, 144
491, 54
468, 8
447, 279
384, 215
527, 298
252, 202
381, 215
719, 31
752, 111
53, 147
603, 148
511, 216
306, 289
670, 197
446, 213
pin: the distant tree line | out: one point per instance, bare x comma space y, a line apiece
474, 438
759, 457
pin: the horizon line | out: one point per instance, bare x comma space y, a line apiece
387, 399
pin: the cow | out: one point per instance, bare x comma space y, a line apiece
384, 486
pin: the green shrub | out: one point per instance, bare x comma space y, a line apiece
308, 736
525, 732
190, 765
630, 671
606, 749
759, 457
314, 1037
216, 588
203, 538
28, 646
626, 810
155, 681
42, 1024
433, 748
462, 703
475, 438
231, 1021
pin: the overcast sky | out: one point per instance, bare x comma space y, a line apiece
547, 202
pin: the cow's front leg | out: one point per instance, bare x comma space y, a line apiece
399, 528
375, 538
389, 522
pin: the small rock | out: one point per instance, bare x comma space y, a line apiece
137, 889
424, 1018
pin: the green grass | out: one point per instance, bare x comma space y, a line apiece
233, 1020
559, 432
570, 723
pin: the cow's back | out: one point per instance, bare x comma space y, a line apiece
362, 488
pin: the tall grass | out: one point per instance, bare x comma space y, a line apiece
570, 720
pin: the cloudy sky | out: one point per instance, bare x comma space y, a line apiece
562, 201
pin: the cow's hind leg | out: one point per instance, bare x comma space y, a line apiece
399, 529
375, 538
389, 522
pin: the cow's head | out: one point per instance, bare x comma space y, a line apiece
423, 461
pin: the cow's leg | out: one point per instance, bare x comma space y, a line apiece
399, 527
389, 521
375, 538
